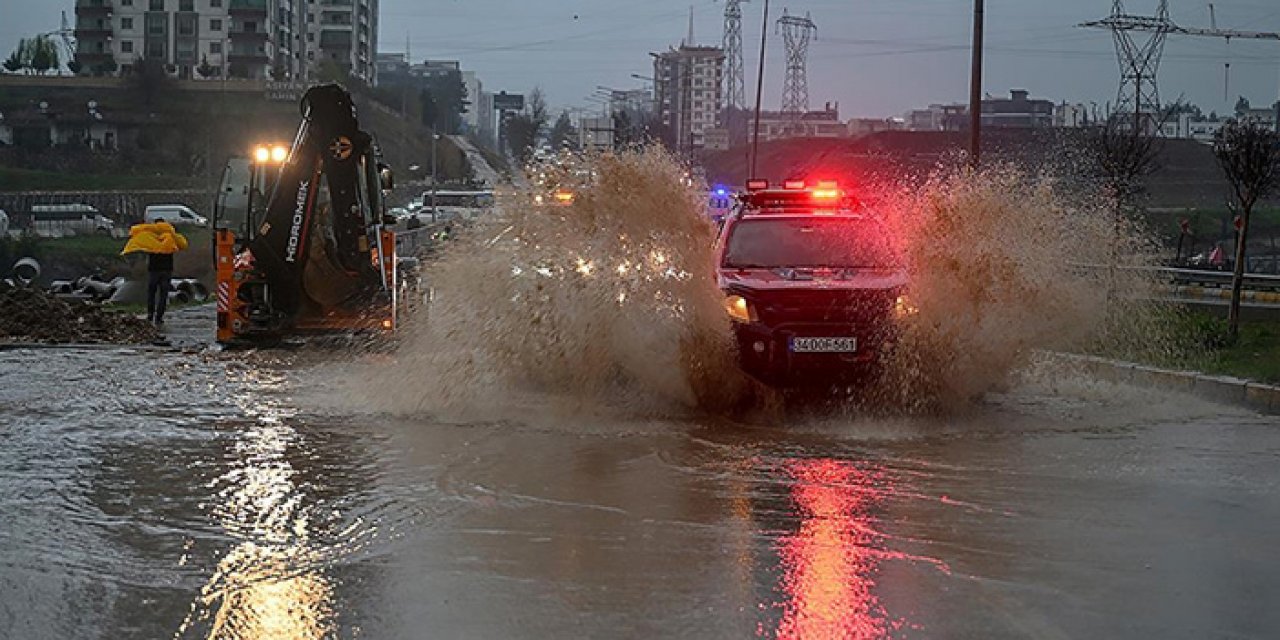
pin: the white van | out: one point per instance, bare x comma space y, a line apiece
56, 220
175, 214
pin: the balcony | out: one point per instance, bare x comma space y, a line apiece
93, 32
241, 57
241, 35
248, 8
95, 8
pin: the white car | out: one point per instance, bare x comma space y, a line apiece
176, 215
4, 223
58, 220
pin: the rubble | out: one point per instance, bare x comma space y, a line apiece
28, 315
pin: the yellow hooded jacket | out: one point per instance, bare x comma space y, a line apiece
157, 237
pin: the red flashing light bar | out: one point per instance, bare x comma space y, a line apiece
757, 184
793, 184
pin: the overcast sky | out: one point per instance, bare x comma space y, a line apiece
876, 57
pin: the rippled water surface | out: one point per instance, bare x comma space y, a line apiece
153, 495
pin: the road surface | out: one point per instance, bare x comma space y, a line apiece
155, 495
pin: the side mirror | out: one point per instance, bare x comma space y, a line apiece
388, 180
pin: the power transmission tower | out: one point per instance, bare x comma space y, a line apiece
1139, 96
796, 32
1139, 57
734, 85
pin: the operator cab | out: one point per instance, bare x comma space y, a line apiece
813, 283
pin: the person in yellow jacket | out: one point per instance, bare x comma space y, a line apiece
159, 240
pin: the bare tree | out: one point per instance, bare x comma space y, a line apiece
1250, 156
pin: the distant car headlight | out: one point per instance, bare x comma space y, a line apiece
739, 309
904, 307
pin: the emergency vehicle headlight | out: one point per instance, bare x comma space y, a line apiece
739, 309
279, 153
261, 155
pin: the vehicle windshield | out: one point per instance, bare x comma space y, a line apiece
811, 242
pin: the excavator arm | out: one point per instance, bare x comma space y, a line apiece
319, 257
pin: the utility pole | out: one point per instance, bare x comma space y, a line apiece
755, 138
975, 87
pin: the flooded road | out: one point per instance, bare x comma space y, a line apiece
155, 495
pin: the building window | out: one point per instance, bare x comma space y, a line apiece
216, 4
215, 25
156, 24
157, 5
186, 5
215, 47
126, 24
311, 37
250, 27
155, 49
126, 46
126, 3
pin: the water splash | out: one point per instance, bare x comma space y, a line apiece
610, 299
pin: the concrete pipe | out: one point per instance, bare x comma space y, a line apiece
26, 271
61, 287
179, 297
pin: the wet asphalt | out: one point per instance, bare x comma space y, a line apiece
168, 495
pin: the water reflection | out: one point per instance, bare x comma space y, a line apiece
270, 585
829, 565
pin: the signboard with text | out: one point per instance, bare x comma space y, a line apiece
285, 91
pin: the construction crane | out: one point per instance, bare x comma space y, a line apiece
1140, 59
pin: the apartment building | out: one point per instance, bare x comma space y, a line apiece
687, 87
214, 39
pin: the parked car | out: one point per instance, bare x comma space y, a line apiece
175, 214
4, 223
55, 220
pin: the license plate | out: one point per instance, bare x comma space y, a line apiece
824, 345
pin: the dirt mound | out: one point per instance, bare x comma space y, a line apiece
28, 315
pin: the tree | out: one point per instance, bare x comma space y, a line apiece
525, 128
1250, 157
44, 55
562, 132
328, 71
1242, 106
19, 59
205, 69
150, 80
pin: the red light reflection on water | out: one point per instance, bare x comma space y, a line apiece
830, 564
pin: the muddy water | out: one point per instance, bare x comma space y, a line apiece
153, 495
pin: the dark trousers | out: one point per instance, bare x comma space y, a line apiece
158, 285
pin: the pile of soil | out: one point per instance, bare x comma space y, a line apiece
28, 315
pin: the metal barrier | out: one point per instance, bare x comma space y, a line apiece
1196, 277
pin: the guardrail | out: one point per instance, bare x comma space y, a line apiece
1198, 277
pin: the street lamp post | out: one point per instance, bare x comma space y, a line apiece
435, 174
755, 137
